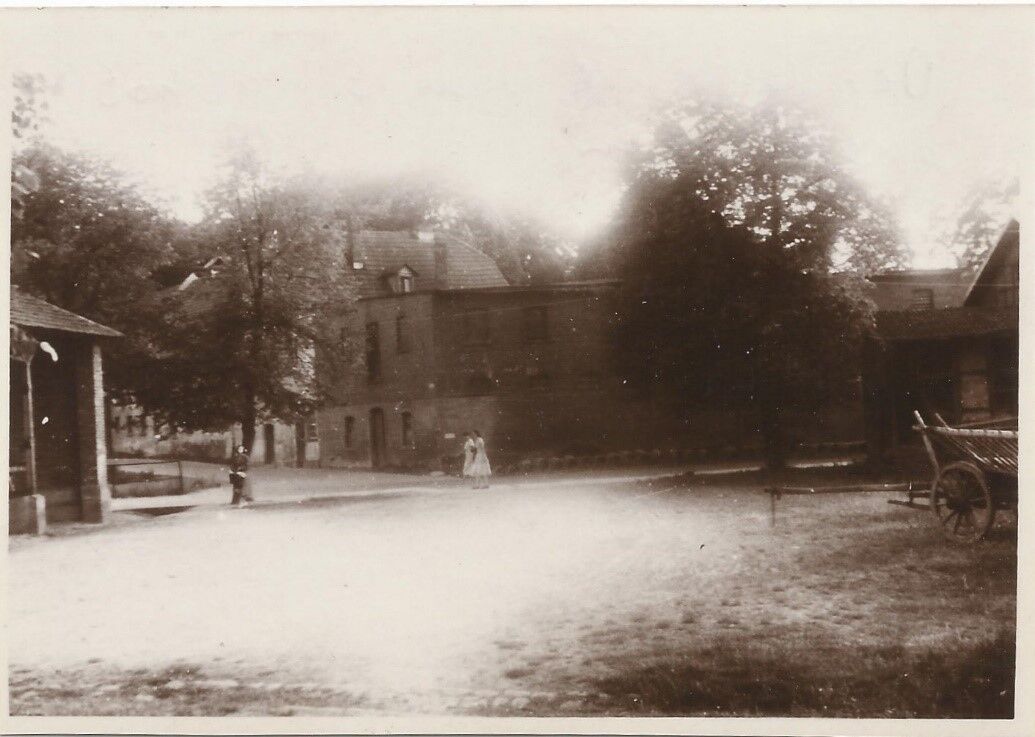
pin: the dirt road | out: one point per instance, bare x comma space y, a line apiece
521, 599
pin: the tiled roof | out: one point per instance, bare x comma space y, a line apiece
952, 323
31, 312
385, 252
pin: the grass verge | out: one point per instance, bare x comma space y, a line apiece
973, 682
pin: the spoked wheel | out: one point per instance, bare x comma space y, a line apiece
962, 503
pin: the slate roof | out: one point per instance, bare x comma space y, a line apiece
383, 253
956, 322
31, 312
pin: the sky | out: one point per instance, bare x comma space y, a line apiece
531, 109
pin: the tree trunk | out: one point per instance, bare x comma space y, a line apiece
248, 416
774, 439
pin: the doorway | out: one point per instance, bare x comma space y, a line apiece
269, 444
377, 437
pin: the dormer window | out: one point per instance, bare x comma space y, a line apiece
406, 280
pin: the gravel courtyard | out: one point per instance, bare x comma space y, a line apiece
550, 598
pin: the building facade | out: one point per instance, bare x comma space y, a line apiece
447, 346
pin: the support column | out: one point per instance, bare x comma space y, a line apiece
29, 428
95, 494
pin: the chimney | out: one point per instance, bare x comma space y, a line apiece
441, 262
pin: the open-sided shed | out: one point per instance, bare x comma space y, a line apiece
57, 452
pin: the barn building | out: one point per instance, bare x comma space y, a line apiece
948, 346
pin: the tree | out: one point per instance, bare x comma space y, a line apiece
89, 242
773, 171
28, 113
982, 215
740, 245
240, 344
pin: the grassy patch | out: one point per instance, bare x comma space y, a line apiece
975, 682
174, 691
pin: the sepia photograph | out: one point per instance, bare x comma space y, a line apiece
507, 365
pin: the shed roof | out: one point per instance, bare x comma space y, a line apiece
956, 322
31, 312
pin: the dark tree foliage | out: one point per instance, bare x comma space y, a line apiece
28, 114
773, 171
89, 242
980, 220
739, 246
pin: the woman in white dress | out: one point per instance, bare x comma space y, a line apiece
470, 450
480, 468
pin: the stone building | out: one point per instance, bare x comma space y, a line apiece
448, 346
57, 456
957, 358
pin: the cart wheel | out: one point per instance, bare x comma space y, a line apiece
962, 502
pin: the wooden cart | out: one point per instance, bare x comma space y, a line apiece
975, 475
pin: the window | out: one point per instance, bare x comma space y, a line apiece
407, 430
923, 299
402, 334
350, 424
405, 282
311, 430
535, 323
477, 327
373, 352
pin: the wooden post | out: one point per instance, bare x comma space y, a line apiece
30, 430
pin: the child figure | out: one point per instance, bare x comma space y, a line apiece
239, 476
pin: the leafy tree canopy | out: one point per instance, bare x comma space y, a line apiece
979, 221
28, 114
739, 246
240, 342
88, 241
772, 171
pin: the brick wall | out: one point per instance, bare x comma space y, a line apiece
531, 370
